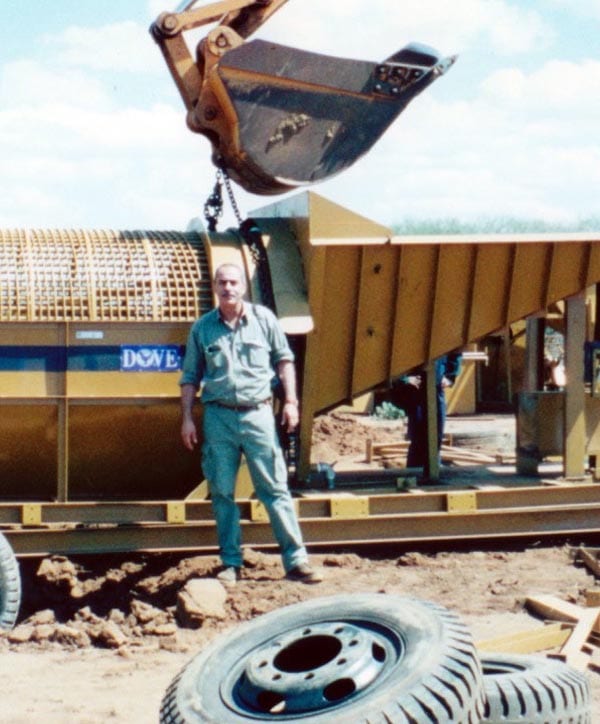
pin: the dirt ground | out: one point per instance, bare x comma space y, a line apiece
100, 638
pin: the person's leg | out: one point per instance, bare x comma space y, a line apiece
441, 414
417, 433
269, 477
220, 463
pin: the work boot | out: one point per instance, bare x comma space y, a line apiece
229, 575
303, 573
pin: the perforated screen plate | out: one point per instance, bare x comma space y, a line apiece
75, 275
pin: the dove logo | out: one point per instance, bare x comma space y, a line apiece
150, 358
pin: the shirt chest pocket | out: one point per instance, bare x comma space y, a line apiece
255, 354
216, 358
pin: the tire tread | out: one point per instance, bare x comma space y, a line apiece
10, 586
450, 687
534, 689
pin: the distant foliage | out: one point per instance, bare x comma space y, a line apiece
498, 225
388, 411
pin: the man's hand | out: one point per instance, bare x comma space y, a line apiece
188, 427
290, 416
189, 434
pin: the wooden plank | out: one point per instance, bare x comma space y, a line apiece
467, 453
369, 451
542, 638
592, 597
573, 651
556, 609
590, 561
379, 448
575, 550
580, 660
448, 452
594, 662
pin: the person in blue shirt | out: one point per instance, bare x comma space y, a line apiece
232, 354
409, 393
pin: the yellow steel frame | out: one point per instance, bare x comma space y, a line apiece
380, 517
371, 305
383, 304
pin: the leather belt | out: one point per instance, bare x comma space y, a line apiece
240, 408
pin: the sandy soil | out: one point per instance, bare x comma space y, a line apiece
99, 638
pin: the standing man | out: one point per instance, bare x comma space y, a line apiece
409, 393
233, 352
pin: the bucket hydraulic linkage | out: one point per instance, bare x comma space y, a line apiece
279, 117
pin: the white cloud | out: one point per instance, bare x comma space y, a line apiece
512, 29
64, 166
29, 83
386, 25
156, 7
125, 131
565, 86
593, 7
74, 154
523, 147
122, 47
582, 8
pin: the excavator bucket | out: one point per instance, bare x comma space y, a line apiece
278, 117
301, 117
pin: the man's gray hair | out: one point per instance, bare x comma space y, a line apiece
230, 265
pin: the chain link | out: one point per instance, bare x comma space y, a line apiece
229, 190
213, 207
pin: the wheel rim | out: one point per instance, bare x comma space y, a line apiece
311, 668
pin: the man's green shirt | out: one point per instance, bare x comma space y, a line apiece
235, 366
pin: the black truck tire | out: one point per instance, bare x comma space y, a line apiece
346, 658
534, 689
10, 585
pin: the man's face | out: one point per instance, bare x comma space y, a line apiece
229, 286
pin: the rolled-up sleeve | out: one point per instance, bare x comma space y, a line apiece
280, 348
192, 369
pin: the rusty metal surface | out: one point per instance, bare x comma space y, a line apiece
383, 304
317, 505
72, 304
528, 511
375, 305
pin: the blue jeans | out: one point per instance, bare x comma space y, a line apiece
417, 426
228, 434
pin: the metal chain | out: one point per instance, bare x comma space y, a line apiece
213, 206
223, 173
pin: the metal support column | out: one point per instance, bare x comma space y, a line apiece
62, 446
432, 465
534, 350
574, 411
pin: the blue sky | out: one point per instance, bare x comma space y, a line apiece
93, 134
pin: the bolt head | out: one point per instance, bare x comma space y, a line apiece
169, 22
